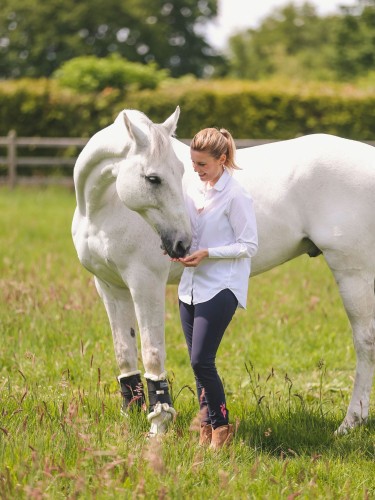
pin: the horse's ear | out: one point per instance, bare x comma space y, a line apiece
135, 133
171, 123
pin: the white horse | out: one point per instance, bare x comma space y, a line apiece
313, 195
127, 181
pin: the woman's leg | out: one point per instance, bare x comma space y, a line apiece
211, 319
187, 322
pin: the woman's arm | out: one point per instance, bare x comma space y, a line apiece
242, 219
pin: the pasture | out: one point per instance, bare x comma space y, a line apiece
287, 364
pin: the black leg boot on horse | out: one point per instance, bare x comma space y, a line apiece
133, 396
161, 409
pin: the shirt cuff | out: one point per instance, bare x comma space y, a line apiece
234, 251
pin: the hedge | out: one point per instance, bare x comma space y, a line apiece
273, 110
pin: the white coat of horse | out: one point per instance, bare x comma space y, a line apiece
314, 194
130, 168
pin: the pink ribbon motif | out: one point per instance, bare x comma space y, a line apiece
223, 410
203, 395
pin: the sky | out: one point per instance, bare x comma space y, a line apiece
236, 15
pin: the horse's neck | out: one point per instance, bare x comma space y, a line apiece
102, 177
97, 166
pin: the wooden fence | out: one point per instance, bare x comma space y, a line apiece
13, 159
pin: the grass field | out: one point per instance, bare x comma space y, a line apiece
287, 364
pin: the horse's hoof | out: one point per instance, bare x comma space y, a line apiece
160, 418
341, 431
350, 423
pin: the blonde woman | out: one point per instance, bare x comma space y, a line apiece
215, 279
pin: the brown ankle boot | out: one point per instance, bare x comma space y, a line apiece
205, 435
221, 436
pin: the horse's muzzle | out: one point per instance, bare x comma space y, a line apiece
176, 247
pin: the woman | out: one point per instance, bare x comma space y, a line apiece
215, 279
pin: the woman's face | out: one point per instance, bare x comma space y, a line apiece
207, 167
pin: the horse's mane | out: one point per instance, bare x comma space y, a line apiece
114, 142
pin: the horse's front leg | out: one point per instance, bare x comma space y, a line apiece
357, 292
118, 303
149, 303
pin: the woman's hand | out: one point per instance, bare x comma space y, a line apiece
194, 259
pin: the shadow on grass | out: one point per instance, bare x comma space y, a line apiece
279, 421
306, 432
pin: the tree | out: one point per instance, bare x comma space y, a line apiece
295, 42
354, 41
289, 41
93, 74
37, 37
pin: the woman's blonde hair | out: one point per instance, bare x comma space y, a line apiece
216, 142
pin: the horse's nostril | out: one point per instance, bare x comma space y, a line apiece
181, 249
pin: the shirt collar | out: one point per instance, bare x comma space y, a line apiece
223, 181
219, 185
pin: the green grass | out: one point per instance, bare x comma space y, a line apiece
287, 363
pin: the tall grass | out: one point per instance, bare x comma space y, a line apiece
287, 364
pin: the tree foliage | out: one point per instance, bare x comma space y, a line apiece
295, 42
354, 41
37, 37
93, 74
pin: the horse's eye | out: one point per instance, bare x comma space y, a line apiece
153, 179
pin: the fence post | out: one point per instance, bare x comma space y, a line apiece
12, 159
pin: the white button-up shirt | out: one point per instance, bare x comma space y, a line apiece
223, 221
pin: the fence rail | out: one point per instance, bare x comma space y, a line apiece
13, 159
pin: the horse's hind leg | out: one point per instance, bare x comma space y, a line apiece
357, 292
120, 310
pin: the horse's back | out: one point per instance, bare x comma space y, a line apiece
311, 169
297, 156
314, 192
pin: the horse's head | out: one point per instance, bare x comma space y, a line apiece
149, 180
